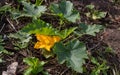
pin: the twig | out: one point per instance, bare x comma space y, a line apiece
64, 71
2, 27
95, 46
11, 25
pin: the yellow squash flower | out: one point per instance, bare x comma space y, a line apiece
45, 41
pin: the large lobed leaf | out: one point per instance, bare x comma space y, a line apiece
89, 29
29, 10
73, 54
65, 8
32, 10
39, 26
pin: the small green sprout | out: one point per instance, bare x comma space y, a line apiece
34, 66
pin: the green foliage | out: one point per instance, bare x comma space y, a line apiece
66, 32
95, 14
47, 54
39, 26
1, 60
35, 66
109, 50
1, 44
5, 8
89, 29
21, 40
2, 49
65, 10
29, 10
90, 6
73, 54
15, 14
38, 2
32, 10
21, 0
99, 68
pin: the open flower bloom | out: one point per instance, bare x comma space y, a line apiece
45, 41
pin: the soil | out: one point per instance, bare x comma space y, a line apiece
109, 37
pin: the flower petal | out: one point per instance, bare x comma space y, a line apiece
45, 41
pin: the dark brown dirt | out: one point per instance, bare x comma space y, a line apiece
112, 38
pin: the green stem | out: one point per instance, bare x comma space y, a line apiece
38, 2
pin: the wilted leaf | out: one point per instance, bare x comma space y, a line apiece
65, 8
73, 54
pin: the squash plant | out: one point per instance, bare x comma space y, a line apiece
65, 11
34, 66
73, 53
95, 14
52, 40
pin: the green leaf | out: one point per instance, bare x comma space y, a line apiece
2, 49
73, 54
98, 15
21, 0
38, 2
47, 54
100, 67
21, 39
90, 6
29, 10
32, 10
65, 33
5, 8
1, 60
65, 8
35, 66
89, 29
17, 14
48, 31
39, 26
